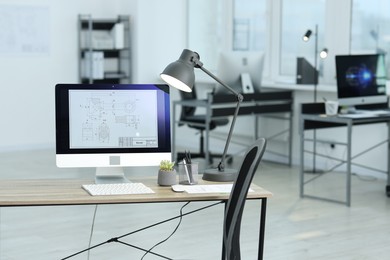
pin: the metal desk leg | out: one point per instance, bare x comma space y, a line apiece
262, 227
263, 210
302, 148
349, 158
173, 148
207, 130
388, 160
290, 140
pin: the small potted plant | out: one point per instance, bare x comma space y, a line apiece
166, 173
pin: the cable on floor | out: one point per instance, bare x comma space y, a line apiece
173, 232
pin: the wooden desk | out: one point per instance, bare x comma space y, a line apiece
264, 103
320, 121
56, 192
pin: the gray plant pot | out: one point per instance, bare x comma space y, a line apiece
166, 178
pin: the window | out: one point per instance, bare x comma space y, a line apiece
277, 26
208, 21
370, 31
205, 30
298, 16
249, 25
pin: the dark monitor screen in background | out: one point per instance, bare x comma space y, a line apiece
361, 79
112, 126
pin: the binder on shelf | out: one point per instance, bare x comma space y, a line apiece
100, 40
118, 35
93, 65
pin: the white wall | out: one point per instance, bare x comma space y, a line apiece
161, 36
27, 81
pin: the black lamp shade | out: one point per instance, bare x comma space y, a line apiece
180, 74
307, 35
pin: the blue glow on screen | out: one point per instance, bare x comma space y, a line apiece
356, 76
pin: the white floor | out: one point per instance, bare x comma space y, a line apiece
295, 228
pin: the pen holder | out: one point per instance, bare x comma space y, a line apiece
331, 108
188, 173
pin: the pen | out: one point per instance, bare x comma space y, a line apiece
188, 167
189, 156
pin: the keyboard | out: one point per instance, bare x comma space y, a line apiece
366, 113
117, 189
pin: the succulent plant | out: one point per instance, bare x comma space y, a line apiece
166, 165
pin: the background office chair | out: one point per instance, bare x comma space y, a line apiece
197, 121
237, 199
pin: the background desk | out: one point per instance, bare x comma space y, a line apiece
320, 121
263, 103
15, 193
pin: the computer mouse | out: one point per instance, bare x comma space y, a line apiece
177, 188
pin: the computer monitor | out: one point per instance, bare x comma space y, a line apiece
361, 79
112, 126
236, 68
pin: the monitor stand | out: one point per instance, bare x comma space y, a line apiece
107, 175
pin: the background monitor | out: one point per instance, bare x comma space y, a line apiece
112, 126
361, 79
232, 65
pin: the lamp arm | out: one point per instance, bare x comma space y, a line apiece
240, 98
221, 165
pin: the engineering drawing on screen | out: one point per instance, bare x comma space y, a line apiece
112, 119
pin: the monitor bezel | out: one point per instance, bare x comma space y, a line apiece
356, 100
66, 154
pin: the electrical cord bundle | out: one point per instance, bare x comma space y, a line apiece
117, 239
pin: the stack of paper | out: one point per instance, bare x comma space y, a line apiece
212, 188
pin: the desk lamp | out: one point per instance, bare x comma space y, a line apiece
180, 74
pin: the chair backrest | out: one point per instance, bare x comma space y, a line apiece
188, 111
236, 202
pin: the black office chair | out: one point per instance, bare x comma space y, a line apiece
236, 202
197, 121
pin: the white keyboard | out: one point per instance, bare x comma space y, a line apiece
117, 189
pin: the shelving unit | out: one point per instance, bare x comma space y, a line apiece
104, 50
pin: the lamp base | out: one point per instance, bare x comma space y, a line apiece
216, 175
